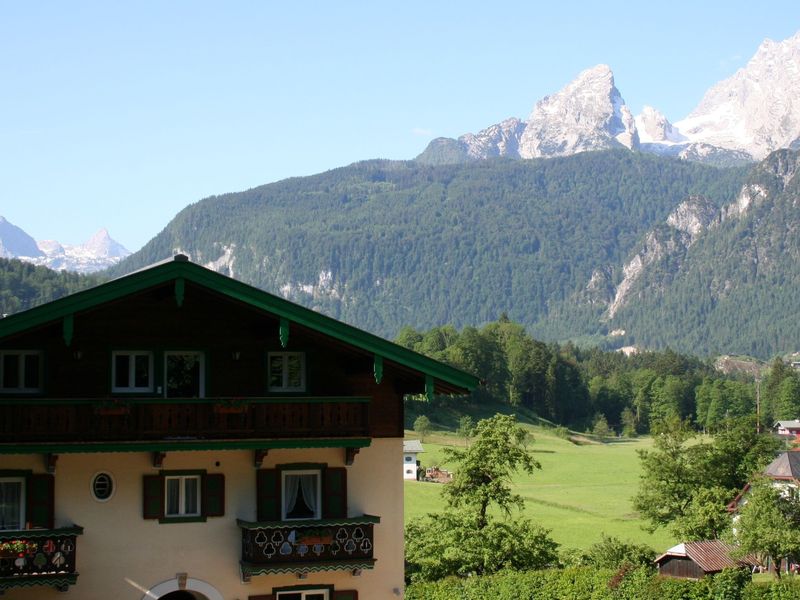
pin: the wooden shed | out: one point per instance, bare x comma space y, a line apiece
695, 560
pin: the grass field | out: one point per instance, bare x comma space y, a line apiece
580, 493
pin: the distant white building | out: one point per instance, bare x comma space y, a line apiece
410, 450
790, 428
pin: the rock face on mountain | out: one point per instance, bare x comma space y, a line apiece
757, 110
738, 121
588, 114
99, 253
668, 242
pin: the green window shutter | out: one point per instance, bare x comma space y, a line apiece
345, 595
268, 495
153, 497
40, 500
213, 497
334, 493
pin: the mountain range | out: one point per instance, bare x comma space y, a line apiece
96, 254
739, 120
582, 222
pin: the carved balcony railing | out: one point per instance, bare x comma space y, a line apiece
38, 557
145, 419
307, 546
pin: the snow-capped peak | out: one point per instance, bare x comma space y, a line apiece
757, 110
96, 254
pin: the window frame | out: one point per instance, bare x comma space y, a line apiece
284, 387
304, 593
318, 512
201, 355
132, 389
93, 490
22, 480
21, 389
182, 514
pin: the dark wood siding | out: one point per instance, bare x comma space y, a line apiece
235, 338
674, 566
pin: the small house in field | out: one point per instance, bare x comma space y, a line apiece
410, 463
787, 428
695, 560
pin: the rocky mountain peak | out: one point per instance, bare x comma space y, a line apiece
587, 114
757, 110
101, 245
653, 127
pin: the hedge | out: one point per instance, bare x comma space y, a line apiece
587, 583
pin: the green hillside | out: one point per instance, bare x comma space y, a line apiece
383, 244
23, 285
736, 291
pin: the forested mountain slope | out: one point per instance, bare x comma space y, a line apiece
735, 289
382, 244
23, 285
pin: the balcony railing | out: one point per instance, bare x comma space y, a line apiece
307, 546
38, 557
145, 419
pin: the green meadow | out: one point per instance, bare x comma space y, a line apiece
582, 491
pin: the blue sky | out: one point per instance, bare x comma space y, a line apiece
118, 115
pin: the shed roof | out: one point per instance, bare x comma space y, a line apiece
710, 555
794, 424
412, 446
180, 271
785, 466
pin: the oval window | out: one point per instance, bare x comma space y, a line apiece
102, 487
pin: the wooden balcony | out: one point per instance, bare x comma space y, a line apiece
43, 557
67, 420
307, 546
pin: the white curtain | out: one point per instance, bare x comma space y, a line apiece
292, 484
308, 483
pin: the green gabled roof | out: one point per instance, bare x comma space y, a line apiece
180, 269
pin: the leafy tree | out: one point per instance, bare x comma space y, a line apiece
422, 426
705, 517
628, 422
483, 471
670, 475
466, 427
449, 543
466, 539
601, 428
769, 524
613, 553
788, 401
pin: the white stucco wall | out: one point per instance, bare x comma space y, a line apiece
123, 556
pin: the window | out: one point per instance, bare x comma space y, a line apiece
12, 503
301, 495
184, 374
102, 487
132, 371
287, 371
303, 595
409, 458
325, 492
182, 496
21, 371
